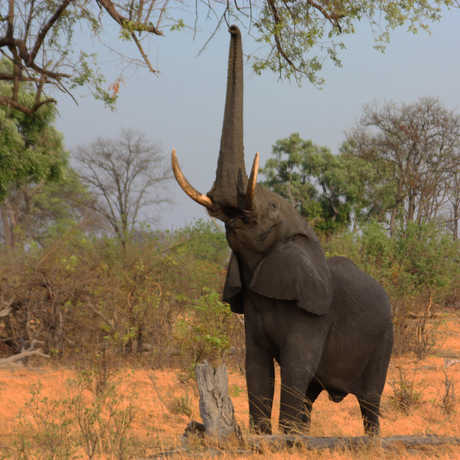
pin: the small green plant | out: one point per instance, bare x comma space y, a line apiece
448, 398
405, 395
182, 405
96, 419
46, 427
235, 390
204, 330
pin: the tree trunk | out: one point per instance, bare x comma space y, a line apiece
7, 224
216, 408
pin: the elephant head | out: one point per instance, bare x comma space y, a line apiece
274, 250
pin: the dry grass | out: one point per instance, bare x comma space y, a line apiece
164, 404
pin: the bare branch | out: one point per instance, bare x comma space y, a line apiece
42, 34
125, 22
141, 50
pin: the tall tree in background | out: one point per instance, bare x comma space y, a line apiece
38, 36
415, 148
31, 155
325, 188
454, 200
40, 211
127, 175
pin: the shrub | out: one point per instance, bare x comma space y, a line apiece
82, 296
419, 269
405, 395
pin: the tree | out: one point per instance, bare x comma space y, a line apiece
37, 37
415, 147
123, 174
39, 211
31, 155
325, 188
454, 201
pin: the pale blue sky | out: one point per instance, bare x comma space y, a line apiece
183, 107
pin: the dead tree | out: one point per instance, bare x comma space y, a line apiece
15, 361
216, 408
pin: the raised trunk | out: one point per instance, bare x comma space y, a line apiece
229, 187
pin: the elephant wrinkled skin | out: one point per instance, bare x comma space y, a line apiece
327, 323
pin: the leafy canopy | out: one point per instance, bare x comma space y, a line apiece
31, 149
325, 188
40, 38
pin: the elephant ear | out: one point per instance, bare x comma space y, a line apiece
295, 270
232, 287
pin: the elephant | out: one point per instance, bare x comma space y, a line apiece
324, 321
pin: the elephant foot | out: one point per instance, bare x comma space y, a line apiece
299, 426
261, 427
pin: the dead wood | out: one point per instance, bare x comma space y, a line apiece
5, 312
15, 360
216, 408
257, 444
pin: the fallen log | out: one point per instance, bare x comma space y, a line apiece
5, 312
15, 360
356, 442
219, 423
273, 443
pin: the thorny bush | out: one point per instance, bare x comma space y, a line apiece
159, 301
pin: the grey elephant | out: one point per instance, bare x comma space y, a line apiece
326, 323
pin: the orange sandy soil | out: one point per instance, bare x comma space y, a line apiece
156, 392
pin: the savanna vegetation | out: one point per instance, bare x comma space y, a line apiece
86, 278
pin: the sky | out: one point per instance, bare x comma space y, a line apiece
183, 106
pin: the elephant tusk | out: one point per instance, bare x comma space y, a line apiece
252, 181
185, 185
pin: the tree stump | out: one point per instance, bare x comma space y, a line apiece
216, 408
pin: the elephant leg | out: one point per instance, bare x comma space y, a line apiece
299, 360
370, 410
313, 391
260, 378
294, 383
375, 376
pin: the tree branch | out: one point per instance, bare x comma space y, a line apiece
42, 34
4, 100
125, 22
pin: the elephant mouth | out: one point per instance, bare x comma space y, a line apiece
207, 202
261, 237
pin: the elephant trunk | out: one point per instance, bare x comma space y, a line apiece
229, 188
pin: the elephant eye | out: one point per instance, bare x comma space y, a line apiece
273, 205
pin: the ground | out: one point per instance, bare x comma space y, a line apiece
164, 401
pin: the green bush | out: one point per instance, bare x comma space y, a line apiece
159, 301
418, 267
80, 295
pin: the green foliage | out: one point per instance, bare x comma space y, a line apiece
205, 240
297, 37
158, 302
301, 35
419, 269
420, 260
325, 188
203, 331
31, 149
